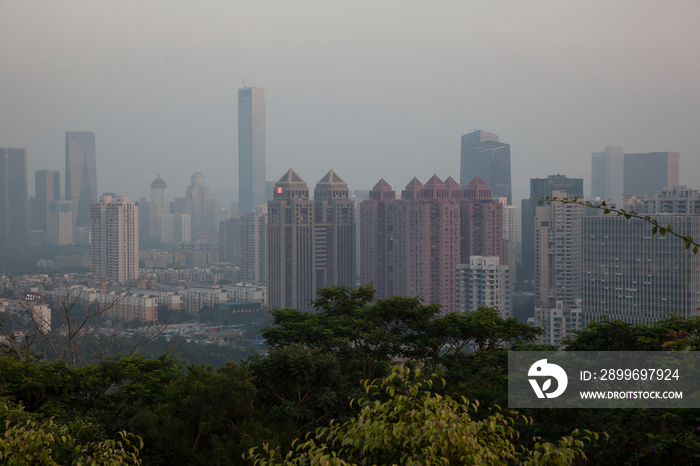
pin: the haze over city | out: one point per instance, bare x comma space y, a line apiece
368, 89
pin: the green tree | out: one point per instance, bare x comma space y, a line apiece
302, 386
363, 332
206, 417
32, 441
405, 423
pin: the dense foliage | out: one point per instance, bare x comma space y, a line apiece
192, 414
415, 426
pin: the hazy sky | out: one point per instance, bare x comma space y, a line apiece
370, 89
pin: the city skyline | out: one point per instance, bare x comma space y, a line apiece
168, 105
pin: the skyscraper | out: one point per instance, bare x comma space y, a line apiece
311, 244
650, 172
161, 206
114, 248
13, 198
199, 197
334, 233
607, 175
510, 237
47, 184
632, 275
81, 175
484, 156
412, 246
243, 242
251, 148
558, 252
541, 188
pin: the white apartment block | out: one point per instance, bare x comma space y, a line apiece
558, 321
483, 282
510, 235
673, 200
128, 307
247, 292
199, 297
114, 249
558, 252
170, 299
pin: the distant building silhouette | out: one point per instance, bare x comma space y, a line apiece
484, 156
607, 175
60, 223
81, 175
650, 172
200, 206
176, 228
159, 203
251, 149
14, 212
47, 185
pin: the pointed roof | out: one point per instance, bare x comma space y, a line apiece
434, 182
291, 177
331, 179
414, 184
477, 182
451, 183
382, 185
158, 183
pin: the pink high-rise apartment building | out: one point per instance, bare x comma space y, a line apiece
412, 246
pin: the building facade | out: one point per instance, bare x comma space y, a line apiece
540, 188
672, 200
311, 243
635, 276
251, 149
558, 252
483, 282
510, 236
558, 320
243, 243
483, 155
114, 249
412, 246
81, 176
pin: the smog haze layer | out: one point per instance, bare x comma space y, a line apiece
370, 89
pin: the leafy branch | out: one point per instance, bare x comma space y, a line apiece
611, 208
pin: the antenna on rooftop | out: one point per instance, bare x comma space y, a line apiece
243, 82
